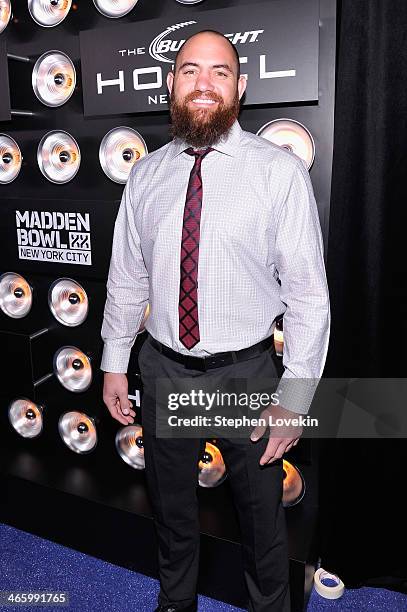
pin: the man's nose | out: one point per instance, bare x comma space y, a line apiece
204, 82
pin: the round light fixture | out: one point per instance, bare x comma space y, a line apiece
15, 295
78, 431
212, 470
53, 78
293, 485
49, 13
129, 445
68, 302
25, 417
58, 156
279, 338
115, 8
73, 369
10, 159
291, 135
119, 150
5, 14
146, 315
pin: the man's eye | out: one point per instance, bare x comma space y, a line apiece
188, 71
223, 74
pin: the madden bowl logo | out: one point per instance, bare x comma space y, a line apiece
164, 43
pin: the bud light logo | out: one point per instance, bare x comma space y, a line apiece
161, 45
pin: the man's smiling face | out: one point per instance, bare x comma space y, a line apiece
205, 89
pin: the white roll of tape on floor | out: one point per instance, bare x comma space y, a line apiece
328, 585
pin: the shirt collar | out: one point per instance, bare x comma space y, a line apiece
228, 144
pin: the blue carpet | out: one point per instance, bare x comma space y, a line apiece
28, 562
364, 599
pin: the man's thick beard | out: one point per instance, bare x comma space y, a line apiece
189, 126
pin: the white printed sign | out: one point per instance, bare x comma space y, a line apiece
56, 237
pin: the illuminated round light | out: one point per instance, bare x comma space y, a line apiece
73, 369
25, 417
5, 14
146, 315
78, 431
279, 338
115, 8
212, 470
129, 445
189, 1
54, 78
58, 156
119, 150
15, 295
10, 159
49, 13
292, 135
68, 302
293, 485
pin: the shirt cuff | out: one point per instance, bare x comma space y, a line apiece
115, 359
296, 394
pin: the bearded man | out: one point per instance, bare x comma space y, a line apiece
218, 231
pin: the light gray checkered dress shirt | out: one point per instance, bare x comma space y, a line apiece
259, 222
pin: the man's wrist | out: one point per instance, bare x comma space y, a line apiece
115, 373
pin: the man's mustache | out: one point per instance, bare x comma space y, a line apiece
199, 94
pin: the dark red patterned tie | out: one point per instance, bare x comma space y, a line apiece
188, 296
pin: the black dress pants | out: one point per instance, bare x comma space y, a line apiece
171, 467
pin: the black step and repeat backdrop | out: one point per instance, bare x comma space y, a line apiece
4, 88
52, 229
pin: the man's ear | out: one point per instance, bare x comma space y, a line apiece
170, 81
241, 85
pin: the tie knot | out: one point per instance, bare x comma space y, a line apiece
200, 153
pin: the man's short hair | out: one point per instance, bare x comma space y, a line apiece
217, 34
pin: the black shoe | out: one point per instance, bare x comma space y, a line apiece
175, 608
